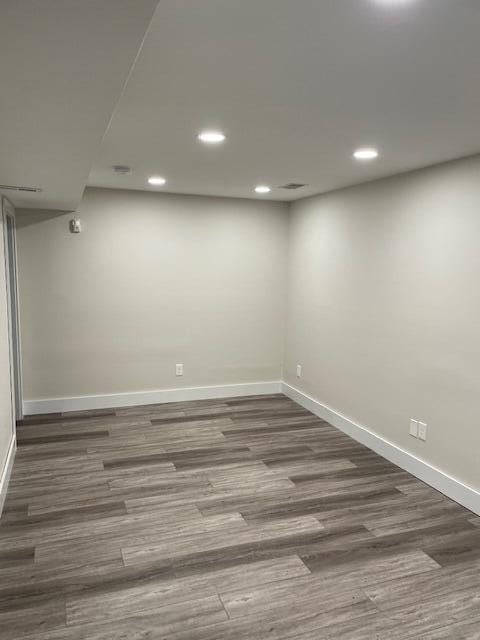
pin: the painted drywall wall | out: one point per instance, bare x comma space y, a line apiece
379, 293
384, 307
6, 418
153, 280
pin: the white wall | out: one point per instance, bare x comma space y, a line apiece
381, 295
6, 418
384, 309
153, 280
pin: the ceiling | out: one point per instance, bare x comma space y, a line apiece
63, 65
296, 85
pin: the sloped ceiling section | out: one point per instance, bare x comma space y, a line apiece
63, 66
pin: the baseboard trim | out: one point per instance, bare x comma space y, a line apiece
80, 403
451, 487
446, 484
6, 472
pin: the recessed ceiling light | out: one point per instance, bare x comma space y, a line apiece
157, 181
211, 137
393, 3
262, 188
366, 153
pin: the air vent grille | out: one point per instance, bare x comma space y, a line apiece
121, 169
292, 185
12, 187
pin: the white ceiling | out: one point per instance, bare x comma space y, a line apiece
63, 64
296, 85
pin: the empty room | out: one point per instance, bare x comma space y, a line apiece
239, 320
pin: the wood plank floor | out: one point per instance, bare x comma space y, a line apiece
233, 519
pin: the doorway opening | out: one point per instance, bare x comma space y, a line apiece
12, 302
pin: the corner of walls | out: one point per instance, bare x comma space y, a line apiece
6, 472
290, 212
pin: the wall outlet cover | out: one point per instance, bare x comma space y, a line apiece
179, 369
414, 428
299, 370
422, 431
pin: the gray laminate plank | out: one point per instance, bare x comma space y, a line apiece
155, 521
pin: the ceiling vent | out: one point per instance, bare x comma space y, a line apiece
292, 185
13, 187
121, 169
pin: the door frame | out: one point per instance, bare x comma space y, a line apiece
8, 215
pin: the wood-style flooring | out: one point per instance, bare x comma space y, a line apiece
233, 519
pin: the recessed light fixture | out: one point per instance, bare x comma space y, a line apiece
156, 181
366, 153
393, 3
262, 188
211, 137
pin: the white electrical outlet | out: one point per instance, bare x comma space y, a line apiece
422, 431
299, 370
179, 369
414, 428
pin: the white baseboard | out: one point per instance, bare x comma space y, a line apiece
451, 487
7, 470
80, 403
454, 489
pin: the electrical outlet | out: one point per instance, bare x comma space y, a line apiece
422, 431
179, 369
414, 428
299, 370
